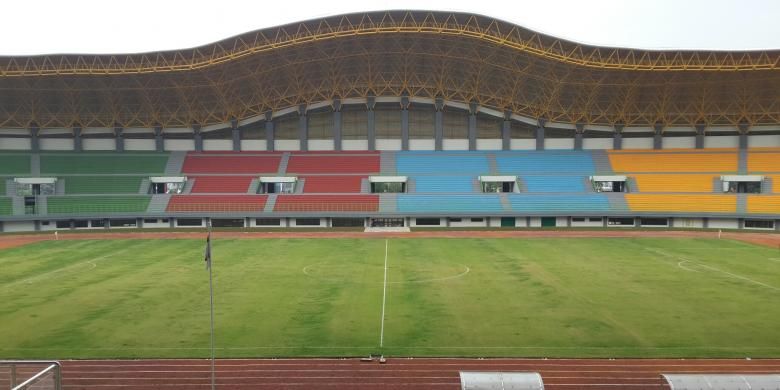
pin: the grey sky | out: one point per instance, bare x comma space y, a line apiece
95, 26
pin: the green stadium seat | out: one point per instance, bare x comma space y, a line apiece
102, 184
5, 206
53, 164
97, 204
15, 163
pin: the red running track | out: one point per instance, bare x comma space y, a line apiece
351, 374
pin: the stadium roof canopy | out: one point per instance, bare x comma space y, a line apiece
454, 56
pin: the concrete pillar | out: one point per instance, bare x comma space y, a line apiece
617, 141
236, 135
198, 137
506, 131
35, 143
540, 134
77, 139
579, 131
404, 122
370, 114
700, 135
336, 124
743, 135
303, 127
269, 131
159, 145
119, 138
658, 136
473, 108
438, 125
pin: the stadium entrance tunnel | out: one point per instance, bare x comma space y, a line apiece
722, 381
471, 380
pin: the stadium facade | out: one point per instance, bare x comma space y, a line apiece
391, 118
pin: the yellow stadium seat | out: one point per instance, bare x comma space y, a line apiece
682, 203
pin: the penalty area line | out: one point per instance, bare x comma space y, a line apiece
384, 302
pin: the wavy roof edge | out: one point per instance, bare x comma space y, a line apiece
471, 25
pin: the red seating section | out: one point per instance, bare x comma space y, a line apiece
204, 163
216, 203
222, 184
333, 203
333, 164
332, 184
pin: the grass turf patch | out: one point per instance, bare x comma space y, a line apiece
594, 297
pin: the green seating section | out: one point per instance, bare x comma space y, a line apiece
102, 184
97, 204
15, 163
5, 206
2, 185
102, 163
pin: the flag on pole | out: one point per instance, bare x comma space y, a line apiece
207, 252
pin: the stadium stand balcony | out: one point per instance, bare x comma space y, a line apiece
332, 184
682, 203
216, 203
444, 184
674, 182
679, 160
77, 163
763, 204
327, 203
427, 163
580, 203
221, 184
231, 163
102, 184
443, 203
97, 204
333, 163
518, 163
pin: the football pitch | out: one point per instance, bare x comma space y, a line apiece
556, 297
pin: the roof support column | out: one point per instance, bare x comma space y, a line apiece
159, 145
236, 135
119, 138
336, 124
617, 140
700, 136
76, 138
404, 122
579, 131
540, 134
658, 136
473, 108
198, 138
370, 116
506, 131
438, 124
303, 127
743, 135
269, 131
35, 143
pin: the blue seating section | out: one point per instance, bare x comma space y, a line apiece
448, 203
584, 203
422, 163
449, 184
519, 163
554, 183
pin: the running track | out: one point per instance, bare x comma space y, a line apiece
350, 374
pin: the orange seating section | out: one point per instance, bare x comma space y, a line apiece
623, 162
763, 162
682, 203
674, 182
763, 204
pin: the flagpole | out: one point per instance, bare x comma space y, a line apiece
211, 296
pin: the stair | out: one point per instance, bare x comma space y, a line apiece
631, 185
144, 188
270, 203
187, 186
175, 163
283, 164
387, 165
741, 203
17, 205
59, 187
717, 185
520, 186
35, 165
41, 204
254, 186
617, 202
767, 185
491, 157
365, 186
10, 187
601, 162
299, 186
411, 186
505, 204
743, 157
388, 203
158, 204
588, 185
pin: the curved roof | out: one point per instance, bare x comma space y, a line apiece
455, 56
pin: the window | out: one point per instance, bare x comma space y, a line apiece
307, 222
63, 224
742, 187
578, 219
189, 222
150, 220
497, 186
232, 222
122, 222
428, 221
268, 222
477, 219
620, 221
456, 219
98, 223
347, 222
595, 219
44, 223
609, 186
387, 187
759, 224
654, 222
80, 223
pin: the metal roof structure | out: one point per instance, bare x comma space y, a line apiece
723, 381
454, 56
472, 380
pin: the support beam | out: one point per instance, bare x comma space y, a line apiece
371, 117
743, 135
617, 140
438, 124
658, 136
506, 131
336, 124
198, 137
35, 142
159, 145
404, 122
236, 135
77, 145
119, 138
269, 131
303, 127
540, 134
700, 135
473, 108
579, 132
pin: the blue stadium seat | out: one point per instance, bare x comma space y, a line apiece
464, 163
449, 184
519, 163
554, 183
559, 203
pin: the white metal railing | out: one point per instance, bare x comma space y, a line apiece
52, 371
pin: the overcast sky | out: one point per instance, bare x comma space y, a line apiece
105, 26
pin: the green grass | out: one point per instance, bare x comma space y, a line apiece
600, 297
102, 184
102, 163
15, 164
97, 204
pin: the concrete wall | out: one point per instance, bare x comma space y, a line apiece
489, 144
15, 144
18, 226
179, 145
139, 144
723, 223
287, 144
768, 141
422, 144
217, 144
727, 141
354, 144
597, 143
56, 143
254, 144
522, 144
679, 222
388, 144
637, 143
587, 222
467, 222
455, 144
321, 144
679, 142
98, 144
559, 143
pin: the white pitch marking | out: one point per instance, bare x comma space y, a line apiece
680, 264
384, 301
738, 276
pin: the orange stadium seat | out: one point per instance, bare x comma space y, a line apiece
763, 162
637, 162
682, 203
674, 182
763, 204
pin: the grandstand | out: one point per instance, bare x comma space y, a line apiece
340, 147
